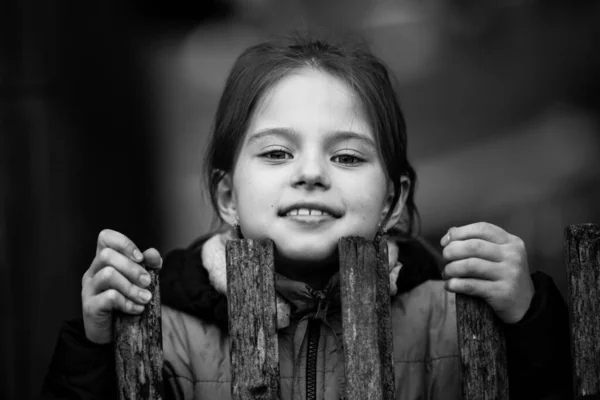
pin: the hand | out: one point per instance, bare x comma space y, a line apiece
114, 281
484, 260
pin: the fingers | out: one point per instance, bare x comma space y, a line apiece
479, 230
459, 249
134, 272
110, 300
109, 278
471, 287
115, 280
472, 268
152, 258
119, 242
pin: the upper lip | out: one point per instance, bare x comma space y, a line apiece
312, 206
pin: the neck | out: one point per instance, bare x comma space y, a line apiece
315, 275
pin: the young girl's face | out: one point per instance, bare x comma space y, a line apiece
308, 171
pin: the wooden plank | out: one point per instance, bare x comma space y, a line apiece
384, 318
482, 350
138, 349
582, 256
252, 320
367, 335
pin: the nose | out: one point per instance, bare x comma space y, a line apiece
311, 173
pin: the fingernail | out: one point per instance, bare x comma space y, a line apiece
445, 239
137, 255
145, 295
145, 279
138, 308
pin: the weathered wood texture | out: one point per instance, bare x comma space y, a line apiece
367, 336
252, 320
582, 256
384, 319
482, 350
138, 350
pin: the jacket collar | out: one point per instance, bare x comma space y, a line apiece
293, 298
187, 285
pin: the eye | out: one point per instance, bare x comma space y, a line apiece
277, 155
347, 159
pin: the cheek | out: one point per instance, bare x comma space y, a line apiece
254, 194
367, 196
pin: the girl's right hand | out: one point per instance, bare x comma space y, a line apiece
115, 281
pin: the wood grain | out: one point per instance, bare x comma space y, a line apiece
367, 336
482, 350
252, 320
138, 350
582, 256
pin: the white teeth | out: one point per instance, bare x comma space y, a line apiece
306, 212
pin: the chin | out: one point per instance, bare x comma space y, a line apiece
307, 252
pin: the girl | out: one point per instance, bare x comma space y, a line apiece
309, 145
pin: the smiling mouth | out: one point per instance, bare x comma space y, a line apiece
310, 212
307, 212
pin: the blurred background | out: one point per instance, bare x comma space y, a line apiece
105, 109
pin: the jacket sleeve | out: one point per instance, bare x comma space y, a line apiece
80, 369
538, 346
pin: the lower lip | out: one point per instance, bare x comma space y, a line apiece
310, 219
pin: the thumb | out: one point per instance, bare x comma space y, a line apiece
152, 258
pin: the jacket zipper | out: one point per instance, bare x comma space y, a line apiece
314, 333
314, 326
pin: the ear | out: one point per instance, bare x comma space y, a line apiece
226, 200
397, 213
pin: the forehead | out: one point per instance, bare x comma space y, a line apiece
310, 100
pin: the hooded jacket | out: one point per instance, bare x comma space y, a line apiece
426, 358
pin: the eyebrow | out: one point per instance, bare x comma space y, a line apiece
291, 134
285, 132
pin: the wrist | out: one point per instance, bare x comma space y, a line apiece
526, 304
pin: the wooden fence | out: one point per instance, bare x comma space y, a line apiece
367, 336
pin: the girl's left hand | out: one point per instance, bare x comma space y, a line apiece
484, 260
